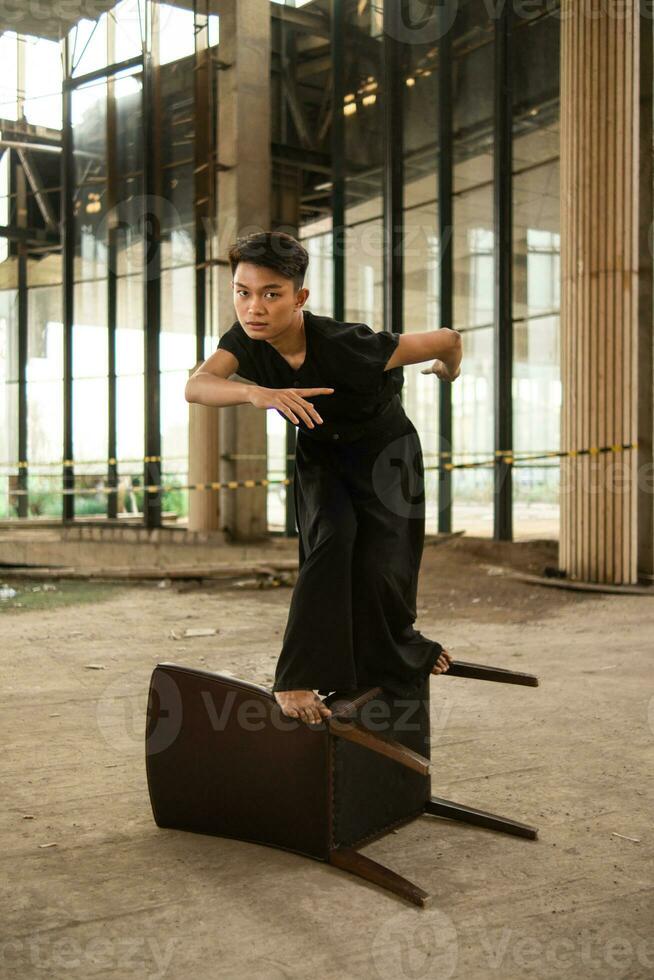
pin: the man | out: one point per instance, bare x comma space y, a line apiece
361, 525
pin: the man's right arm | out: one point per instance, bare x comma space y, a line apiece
210, 385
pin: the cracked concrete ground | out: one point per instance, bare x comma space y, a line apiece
92, 888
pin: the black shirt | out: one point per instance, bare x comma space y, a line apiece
348, 357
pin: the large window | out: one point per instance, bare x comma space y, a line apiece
112, 193
536, 280
536, 387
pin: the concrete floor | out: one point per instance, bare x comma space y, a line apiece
117, 897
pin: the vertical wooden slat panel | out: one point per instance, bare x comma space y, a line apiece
611, 199
600, 153
567, 207
618, 284
604, 246
630, 296
594, 278
621, 267
578, 132
636, 25
581, 367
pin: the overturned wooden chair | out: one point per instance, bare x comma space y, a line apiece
222, 759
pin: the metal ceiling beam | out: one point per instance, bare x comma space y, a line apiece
307, 159
20, 145
302, 20
40, 193
298, 110
315, 65
29, 236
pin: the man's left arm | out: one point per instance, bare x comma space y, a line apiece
443, 345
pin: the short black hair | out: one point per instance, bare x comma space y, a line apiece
272, 250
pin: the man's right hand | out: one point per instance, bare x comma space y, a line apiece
290, 402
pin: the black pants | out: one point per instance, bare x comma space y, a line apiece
360, 509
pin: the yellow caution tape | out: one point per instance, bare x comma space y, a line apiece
156, 487
501, 455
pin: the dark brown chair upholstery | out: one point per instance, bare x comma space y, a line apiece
222, 759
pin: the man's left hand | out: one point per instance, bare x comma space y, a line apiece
441, 370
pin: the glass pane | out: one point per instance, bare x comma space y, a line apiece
8, 76
177, 217
8, 447
364, 271
472, 394
128, 212
320, 272
536, 278
130, 390
90, 403
47, 271
129, 326
473, 270
88, 41
6, 207
45, 435
45, 396
214, 29
9, 335
364, 153
45, 352
472, 432
90, 353
177, 357
129, 20
421, 312
537, 397
178, 161
43, 76
176, 33
276, 470
421, 246
89, 115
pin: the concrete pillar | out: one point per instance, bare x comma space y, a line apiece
286, 200
243, 206
606, 302
203, 466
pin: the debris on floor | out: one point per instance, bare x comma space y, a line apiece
199, 631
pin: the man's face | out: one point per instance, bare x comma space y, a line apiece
264, 300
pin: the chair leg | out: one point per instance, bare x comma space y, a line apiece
350, 860
390, 747
483, 672
455, 811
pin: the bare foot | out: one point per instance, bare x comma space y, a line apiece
442, 663
304, 705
